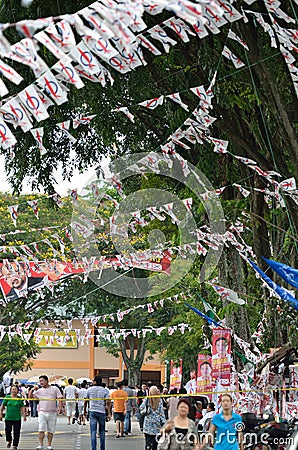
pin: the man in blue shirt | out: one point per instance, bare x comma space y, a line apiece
98, 399
228, 427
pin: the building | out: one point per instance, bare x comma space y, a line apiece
76, 359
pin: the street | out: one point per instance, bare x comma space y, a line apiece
75, 437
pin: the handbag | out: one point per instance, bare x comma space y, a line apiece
145, 408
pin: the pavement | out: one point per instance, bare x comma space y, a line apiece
76, 437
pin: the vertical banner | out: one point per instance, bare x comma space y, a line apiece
176, 375
191, 385
204, 374
221, 356
293, 394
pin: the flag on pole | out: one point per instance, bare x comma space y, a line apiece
287, 273
280, 291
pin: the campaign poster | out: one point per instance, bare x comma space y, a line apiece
293, 383
20, 278
204, 374
176, 375
191, 385
221, 356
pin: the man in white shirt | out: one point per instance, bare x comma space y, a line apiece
70, 395
47, 410
206, 419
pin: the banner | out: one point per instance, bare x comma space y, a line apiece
176, 375
221, 356
293, 372
204, 374
19, 278
191, 385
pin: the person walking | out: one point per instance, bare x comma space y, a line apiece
97, 397
154, 420
14, 404
70, 395
32, 403
47, 410
180, 432
120, 405
82, 392
129, 408
226, 424
141, 394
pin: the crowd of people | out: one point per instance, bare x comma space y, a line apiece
168, 420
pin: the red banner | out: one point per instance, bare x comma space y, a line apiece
221, 356
176, 375
19, 278
204, 374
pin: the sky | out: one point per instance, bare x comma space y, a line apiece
78, 180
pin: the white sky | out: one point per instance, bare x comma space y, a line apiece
78, 180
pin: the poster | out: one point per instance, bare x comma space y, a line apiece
56, 339
293, 383
19, 278
176, 375
221, 356
191, 385
204, 374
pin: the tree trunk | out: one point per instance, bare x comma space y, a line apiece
133, 358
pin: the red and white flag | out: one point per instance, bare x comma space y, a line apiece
65, 68
230, 55
14, 112
200, 29
176, 98
7, 139
3, 89
34, 205
101, 47
242, 190
234, 36
13, 211
25, 52
159, 34
28, 27
64, 126
288, 185
62, 35
85, 58
52, 87
153, 102
180, 28
45, 40
144, 42
37, 133
30, 99
9, 73
125, 111
82, 120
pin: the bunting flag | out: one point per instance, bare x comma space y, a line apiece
65, 68
14, 112
9, 73
30, 99
208, 319
125, 111
7, 139
153, 103
230, 55
243, 191
52, 87
227, 294
287, 273
280, 291
176, 98
82, 120
37, 133
64, 126
234, 36
13, 211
